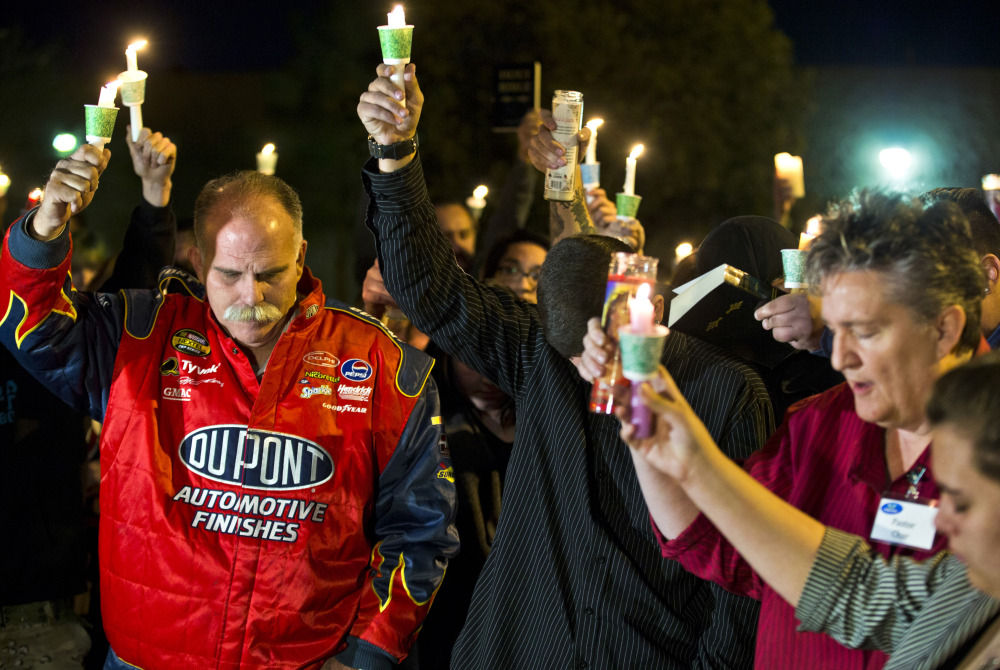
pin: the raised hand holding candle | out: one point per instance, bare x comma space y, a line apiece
100, 118
789, 167
267, 159
641, 346
396, 39
813, 228
630, 164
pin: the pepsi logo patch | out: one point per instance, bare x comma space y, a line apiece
356, 370
322, 359
191, 342
255, 459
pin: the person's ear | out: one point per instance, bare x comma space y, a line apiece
950, 325
197, 262
658, 306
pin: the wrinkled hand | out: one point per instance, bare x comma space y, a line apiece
680, 440
70, 189
598, 349
154, 158
385, 117
793, 318
527, 129
334, 664
374, 293
544, 152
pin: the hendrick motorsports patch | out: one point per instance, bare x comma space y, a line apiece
188, 341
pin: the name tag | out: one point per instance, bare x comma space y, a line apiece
906, 522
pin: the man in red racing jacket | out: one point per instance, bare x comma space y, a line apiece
274, 489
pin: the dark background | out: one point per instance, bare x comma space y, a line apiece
712, 88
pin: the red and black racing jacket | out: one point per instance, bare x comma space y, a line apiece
244, 524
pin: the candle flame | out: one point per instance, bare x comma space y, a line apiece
397, 19
480, 191
113, 84
814, 225
268, 149
636, 150
594, 124
683, 250
642, 293
135, 46
36, 194
4, 180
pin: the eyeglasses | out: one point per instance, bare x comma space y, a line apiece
515, 273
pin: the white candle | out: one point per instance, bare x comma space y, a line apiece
813, 228
789, 167
397, 19
630, 163
130, 59
267, 159
108, 93
591, 157
641, 311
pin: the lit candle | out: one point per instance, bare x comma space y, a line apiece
34, 198
991, 182
813, 228
591, 157
630, 169
789, 167
683, 250
641, 312
477, 201
130, 59
4, 184
267, 159
108, 93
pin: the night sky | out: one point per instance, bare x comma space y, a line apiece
229, 36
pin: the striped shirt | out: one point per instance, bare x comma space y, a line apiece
830, 464
920, 613
574, 578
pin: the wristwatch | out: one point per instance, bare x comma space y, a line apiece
394, 151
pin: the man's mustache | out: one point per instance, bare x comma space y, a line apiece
265, 312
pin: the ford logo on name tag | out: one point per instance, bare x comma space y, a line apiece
255, 459
892, 508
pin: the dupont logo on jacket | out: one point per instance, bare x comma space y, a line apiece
255, 459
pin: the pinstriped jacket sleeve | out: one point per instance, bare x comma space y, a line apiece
912, 610
483, 327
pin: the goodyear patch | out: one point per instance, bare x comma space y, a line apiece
169, 367
191, 342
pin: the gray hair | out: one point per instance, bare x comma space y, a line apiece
925, 252
237, 190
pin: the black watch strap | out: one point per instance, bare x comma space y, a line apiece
394, 151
